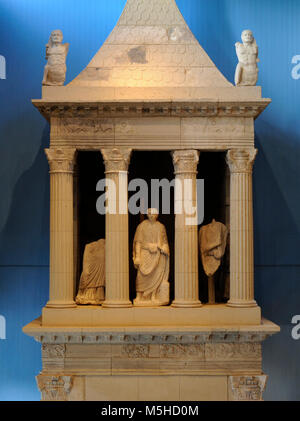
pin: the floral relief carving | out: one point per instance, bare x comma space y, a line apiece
124, 128
232, 351
136, 350
180, 350
247, 388
54, 388
53, 351
86, 126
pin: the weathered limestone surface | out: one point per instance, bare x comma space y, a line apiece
116, 229
151, 86
92, 280
151, 46
214, 364
61, 162
186, 229
241, 162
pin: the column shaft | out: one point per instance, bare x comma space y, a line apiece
61, 163
241, 228
186, 230
116, 229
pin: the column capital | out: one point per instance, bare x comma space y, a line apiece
241, 160
185, 161
55, 387
116, 159
61, 160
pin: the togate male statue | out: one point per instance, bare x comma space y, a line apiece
247, 71
56, 53
92, 280
151, 259
212, 241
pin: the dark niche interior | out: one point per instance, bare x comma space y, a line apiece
147, 166
212, 169
91, 225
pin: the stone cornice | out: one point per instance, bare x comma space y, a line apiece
154, 335
201, 108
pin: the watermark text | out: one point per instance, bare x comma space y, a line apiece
2, 67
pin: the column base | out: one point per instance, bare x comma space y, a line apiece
61, 304
186, 304
117, 304
242, 303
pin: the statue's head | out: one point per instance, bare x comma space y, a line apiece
56, 36
247, 36
152, 214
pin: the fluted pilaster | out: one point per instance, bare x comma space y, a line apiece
116, 232
186, 229
241, 162
61, 162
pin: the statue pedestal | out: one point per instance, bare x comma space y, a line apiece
95, 316
151, 363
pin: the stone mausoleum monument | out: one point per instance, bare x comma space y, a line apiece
136, 310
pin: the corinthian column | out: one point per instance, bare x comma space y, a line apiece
61, 162
116, 228
240, 162
186, 229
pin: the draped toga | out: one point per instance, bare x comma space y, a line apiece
154, 256
212, 240
92, 280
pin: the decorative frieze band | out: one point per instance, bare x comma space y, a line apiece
86, 126
61, 159
53, 351
241, 160
116, 159
153, 109
145, 338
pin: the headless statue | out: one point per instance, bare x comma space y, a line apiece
56, 53
212, 241
151, 259
92, 280
247, 71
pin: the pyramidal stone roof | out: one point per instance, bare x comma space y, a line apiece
151, 46
151, 55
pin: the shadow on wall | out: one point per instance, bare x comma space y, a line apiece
24, 278
277, 245
24, 237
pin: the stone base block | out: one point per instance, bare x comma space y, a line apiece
151, 363
207, 315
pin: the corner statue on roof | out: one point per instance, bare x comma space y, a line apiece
246, 73
151, 259
56, 53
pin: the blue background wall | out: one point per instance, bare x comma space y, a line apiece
25, 26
